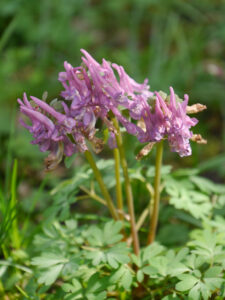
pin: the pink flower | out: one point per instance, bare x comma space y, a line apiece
91, 92
170, 120
95, 91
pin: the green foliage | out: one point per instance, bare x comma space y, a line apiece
102, 253
53, 246
84, 256
93, 263
194, 194
66, 249
8, 217
90, 261
95, 289
51, 265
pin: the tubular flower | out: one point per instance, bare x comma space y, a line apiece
94, 91
59, 126
50, 129
91, 91
170, 120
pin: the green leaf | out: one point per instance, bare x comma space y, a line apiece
186, 283
71, 288
206, 244
74, 290
136, 260
193, 261
126, 279
105, 163
205, 291
48, 260
213, 272
207, 186
175, 266
168, 264
185, 172
111, 231
140, 275
196, 203
194, 293
69, 160
152, 251
171, 297
109, 235
213, 283
71, 224
95, 236
50, 275
122, 277
150, 270
197, 273
96, 287
182, 254
68, 288
111, 260
119, 252
98, 257
175, 269
164, 171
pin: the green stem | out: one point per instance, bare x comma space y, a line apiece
15, 236
128, 188
1, 288
142, 218
155, 213
22, 291
92, 195
119, 195
102, 186
145, 212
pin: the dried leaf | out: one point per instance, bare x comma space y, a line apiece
195, 108
198, 139
145, 151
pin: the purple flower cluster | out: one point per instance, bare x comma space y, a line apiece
94, 91
50, 129
91, 92
170, 120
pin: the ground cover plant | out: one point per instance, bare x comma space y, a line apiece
119, 254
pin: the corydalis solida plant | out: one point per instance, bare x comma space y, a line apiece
91, 92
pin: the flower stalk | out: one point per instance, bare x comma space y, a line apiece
102, 186
156, 198
128, 188
119, 195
